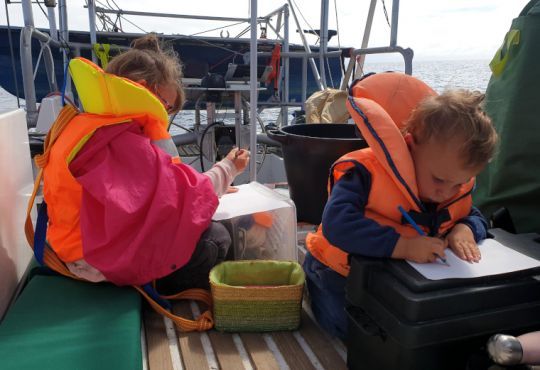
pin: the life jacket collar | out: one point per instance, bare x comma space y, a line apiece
107, 94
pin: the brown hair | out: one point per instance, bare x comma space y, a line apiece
456, 114
147, 60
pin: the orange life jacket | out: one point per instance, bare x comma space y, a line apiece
275, 64
380, 105
107, 100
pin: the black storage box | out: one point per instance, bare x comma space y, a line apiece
400, 320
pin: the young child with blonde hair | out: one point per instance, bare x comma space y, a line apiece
424, 162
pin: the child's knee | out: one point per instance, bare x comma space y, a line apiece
217, 238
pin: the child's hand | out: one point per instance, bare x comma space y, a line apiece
239, 157
461, 241
231, 189
422, 249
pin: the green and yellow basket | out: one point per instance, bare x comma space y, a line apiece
257, 295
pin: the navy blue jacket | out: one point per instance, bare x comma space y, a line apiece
344, 224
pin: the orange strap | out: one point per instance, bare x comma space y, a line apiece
203, 322
50, 258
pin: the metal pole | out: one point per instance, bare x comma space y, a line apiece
27, 13
253, 92
238, 118
395, 16
92, 23
64, 37
12, 56
26, 64
170, 15
365, 39
285, 90
307, 48
63, 21
323, 37
52, 21
304, 81
27, 75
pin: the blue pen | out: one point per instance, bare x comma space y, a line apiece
418, 230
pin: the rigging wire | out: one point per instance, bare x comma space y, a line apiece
12, 55
119, 16
108, 6
118, 19
185, 128
133, 24
337, 25
43, 10
217, 28
105, 19
386, 13
302, 15
329, 72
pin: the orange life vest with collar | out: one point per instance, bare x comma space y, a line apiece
380, 104
107, 100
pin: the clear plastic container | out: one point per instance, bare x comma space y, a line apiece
265, 234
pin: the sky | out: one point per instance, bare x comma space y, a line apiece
434, 29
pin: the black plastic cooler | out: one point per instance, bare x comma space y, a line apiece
400, 320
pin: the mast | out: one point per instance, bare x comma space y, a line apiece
323, 41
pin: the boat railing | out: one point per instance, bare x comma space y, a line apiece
407, 54
28, 33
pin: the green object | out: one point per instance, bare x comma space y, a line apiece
102, 52
257, 295
500, 59
512, 179
59, 323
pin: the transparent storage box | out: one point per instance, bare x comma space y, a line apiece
266, 229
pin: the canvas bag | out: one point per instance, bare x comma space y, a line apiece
512, 179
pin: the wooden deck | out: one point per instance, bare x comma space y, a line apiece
307, 348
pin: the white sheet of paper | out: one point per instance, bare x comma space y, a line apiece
496, 259
250, 198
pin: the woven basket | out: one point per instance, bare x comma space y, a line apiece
257, 295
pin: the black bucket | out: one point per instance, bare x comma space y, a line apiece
309, 151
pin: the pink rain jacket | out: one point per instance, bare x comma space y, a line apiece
141, 214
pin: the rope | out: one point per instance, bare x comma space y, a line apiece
43, 46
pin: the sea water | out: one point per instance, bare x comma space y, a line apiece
440, 75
